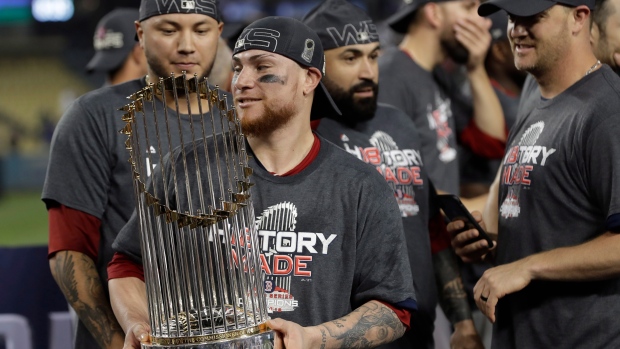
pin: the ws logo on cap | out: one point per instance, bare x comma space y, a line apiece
207, 7
260, 38
351, 35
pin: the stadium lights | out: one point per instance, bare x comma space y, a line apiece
52, 10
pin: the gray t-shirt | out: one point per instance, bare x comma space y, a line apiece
89, 170
390, 142
530, 96
410, 88
559, 186
353, 248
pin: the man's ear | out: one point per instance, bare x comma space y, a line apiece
581, 16
433, 14
140, 33
312, 79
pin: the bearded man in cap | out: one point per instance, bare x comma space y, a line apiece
358, 291
384, 136
413, 81
118, 54
88, 189
558, 276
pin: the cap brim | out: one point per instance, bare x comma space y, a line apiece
323, 105
107, 60
399, 21
517, 8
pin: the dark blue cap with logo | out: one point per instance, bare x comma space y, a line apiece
151, 8
113, 40
292, 39
339, 23
527, 8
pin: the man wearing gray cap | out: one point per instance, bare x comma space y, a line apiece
88, 188
388, 139
558, 276
355, 289
118, 54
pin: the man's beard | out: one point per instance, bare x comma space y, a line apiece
158, 68
455, 50
353, 111
270, 121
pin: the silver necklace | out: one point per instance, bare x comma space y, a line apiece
593, 67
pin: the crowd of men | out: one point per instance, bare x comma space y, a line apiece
514, 105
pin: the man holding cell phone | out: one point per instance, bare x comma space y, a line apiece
556, 199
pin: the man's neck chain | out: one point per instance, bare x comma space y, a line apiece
596, 65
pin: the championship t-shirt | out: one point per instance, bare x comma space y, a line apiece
330, 238
560, 184
410, 88
390, 142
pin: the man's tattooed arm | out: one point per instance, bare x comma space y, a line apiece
368, 326
452, 296
453, 301
76, 275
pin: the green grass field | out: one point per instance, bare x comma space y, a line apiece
23, 219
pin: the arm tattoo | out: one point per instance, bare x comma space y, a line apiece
78, 279
372, 324
452, 295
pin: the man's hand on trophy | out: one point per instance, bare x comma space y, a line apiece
137, 334
290, 335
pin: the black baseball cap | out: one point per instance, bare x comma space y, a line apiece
527, 8
292, 39
400, 21
113, 40
339, 23
150, 8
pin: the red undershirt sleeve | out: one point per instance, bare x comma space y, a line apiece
122, 266
481, 143
73, 230
404, 315
440, 238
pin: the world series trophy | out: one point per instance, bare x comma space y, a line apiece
204, 283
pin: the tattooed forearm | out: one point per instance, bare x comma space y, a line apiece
77, 277
368, 326
452, 295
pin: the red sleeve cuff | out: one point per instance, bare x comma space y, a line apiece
481, 143
73, 230
404, 315
440, 238
122, 266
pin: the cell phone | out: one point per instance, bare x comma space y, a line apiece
453, 208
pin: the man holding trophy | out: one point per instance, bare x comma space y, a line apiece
88, 189
321, 226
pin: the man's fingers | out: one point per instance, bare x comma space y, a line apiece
138, 334
455, 227
477, 216
491, 303
276, 324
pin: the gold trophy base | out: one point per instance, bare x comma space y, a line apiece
263, 340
